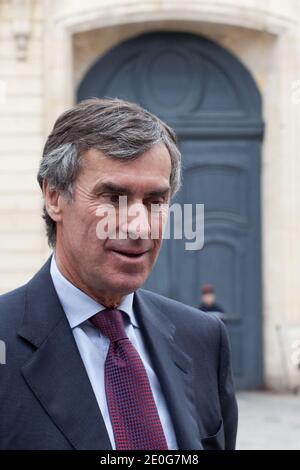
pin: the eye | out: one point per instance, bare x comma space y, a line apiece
158, 202
113, 198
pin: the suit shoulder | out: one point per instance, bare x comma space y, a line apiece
179, 310
13, 296
12, 306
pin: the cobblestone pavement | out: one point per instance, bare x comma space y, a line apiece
268, 421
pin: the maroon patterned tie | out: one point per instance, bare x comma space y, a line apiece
131, 405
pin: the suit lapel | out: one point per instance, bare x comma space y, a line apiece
173, 367
55, 372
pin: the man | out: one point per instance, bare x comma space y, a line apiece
209, 301
93, 360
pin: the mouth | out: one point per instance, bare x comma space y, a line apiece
130, 256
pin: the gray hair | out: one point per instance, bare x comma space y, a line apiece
117, 128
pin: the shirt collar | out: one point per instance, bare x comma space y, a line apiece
77, 305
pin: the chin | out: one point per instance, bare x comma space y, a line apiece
127, 284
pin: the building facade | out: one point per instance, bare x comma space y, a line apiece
226, 75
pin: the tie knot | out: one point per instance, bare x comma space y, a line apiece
110, 323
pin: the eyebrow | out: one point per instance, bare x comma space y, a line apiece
117, 189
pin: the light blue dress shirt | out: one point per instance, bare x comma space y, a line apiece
93, 347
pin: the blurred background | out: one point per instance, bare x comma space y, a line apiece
226, 76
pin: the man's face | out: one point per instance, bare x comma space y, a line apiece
120, 265
209, 298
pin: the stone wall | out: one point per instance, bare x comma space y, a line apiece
22, 247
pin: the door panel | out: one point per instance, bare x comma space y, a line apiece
225, 176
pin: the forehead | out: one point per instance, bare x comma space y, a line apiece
154, 166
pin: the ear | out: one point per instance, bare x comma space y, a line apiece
53, 202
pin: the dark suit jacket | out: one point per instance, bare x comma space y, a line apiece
46, 399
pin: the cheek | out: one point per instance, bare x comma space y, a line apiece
80, 222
